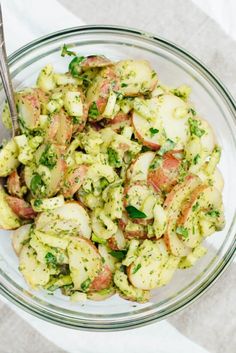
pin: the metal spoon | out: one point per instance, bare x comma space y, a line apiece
6, 80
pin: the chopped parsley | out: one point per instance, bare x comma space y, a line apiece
196, 159
38, 202
93, 111
113, 158
194, 127
195, 206
124, 84
118, 254
168, 146
76, 120
85, 285
51, 259
48, 157
153, 131
36, 183
65, 51
133, 212
182, 231
145, 149
191, 110
136, 268
74, 66
213, 213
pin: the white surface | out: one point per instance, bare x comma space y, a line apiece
31, 22
222, 11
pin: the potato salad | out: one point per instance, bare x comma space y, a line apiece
112, 184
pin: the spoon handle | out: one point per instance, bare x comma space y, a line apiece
6, 80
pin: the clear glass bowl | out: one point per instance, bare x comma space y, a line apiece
213, 102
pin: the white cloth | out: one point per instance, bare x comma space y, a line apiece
33, 19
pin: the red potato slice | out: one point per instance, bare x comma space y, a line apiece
137, 77
83, 272
71, 218
60, 129
14, 184
165, 176
135, 195
101, 295
132, 230
28, 106
176, 128
73, 180
119, 121
138, 170
21, 208
187, 208
19, 236
173, 204
100, 88
102, 281
144, 272
117, 241
93, 61
142, 132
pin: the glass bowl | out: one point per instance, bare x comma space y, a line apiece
213, 102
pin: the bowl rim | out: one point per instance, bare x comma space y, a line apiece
183, 302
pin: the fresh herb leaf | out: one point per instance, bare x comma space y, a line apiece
65, 51
74, 66
97, 239
51, 259
145, 149
133, 212
38, 202
153, 131
85, 285
36, 183
182, 231
118, 254
195, 207
213, 213
113, 158
194, 127
191, 110
93, 111
76, 120
168, 146
124, 84
136, 268
196, 159
48, 157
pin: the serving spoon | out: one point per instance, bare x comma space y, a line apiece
6, 80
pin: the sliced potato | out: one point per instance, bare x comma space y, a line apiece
28, 106
55, 241
136, 77
19, 237
176, 129
144, 272
138, 171
127, 291
102, 281
168, 270
69, 219
102, 294
9, 158
40, 205
85, 262
8, 219
107, 259
35, 273
73, 180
